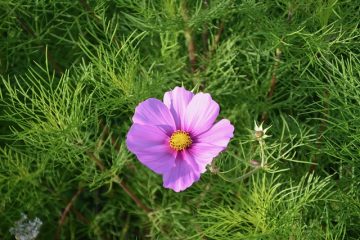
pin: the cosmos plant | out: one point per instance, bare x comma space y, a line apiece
177, 137
73, 72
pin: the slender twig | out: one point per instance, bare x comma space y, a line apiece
131, 194
273, 80
86, 6
262, 151
205, 39
106, 131
88, 9
246, 175
205, 33
217, 38
25, 27
320, 132
80, 216
121, 183
290, 14
191, 49
66, 211
97, 161
218, 34
189, 39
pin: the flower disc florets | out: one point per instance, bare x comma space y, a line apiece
180, 140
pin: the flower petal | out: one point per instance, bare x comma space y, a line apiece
177, 101
204, 153
183, 174
151, 146
210, 143
219, 134
200, 114
154, 112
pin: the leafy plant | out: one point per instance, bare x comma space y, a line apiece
72, 73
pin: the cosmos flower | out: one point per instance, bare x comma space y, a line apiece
177, 138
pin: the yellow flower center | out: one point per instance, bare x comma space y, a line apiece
180, 140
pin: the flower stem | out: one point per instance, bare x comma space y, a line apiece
66, 211
215, 44
262, 153
131, 194
246, 175
121, 183
189, 38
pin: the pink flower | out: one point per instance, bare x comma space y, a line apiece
177, 138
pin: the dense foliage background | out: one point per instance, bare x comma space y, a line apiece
72, 73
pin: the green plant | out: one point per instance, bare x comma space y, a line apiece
72, 73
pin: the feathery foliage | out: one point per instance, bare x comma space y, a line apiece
72, 73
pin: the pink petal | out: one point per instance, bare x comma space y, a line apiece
154, 112
204, 154
218, 135
200, 114
151, 146
177, 101
210, 143
183, 174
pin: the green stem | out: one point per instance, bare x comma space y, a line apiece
262, 153
246, 175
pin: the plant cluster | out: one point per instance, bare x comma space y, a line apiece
73, 72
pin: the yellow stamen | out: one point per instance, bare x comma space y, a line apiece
180, 140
